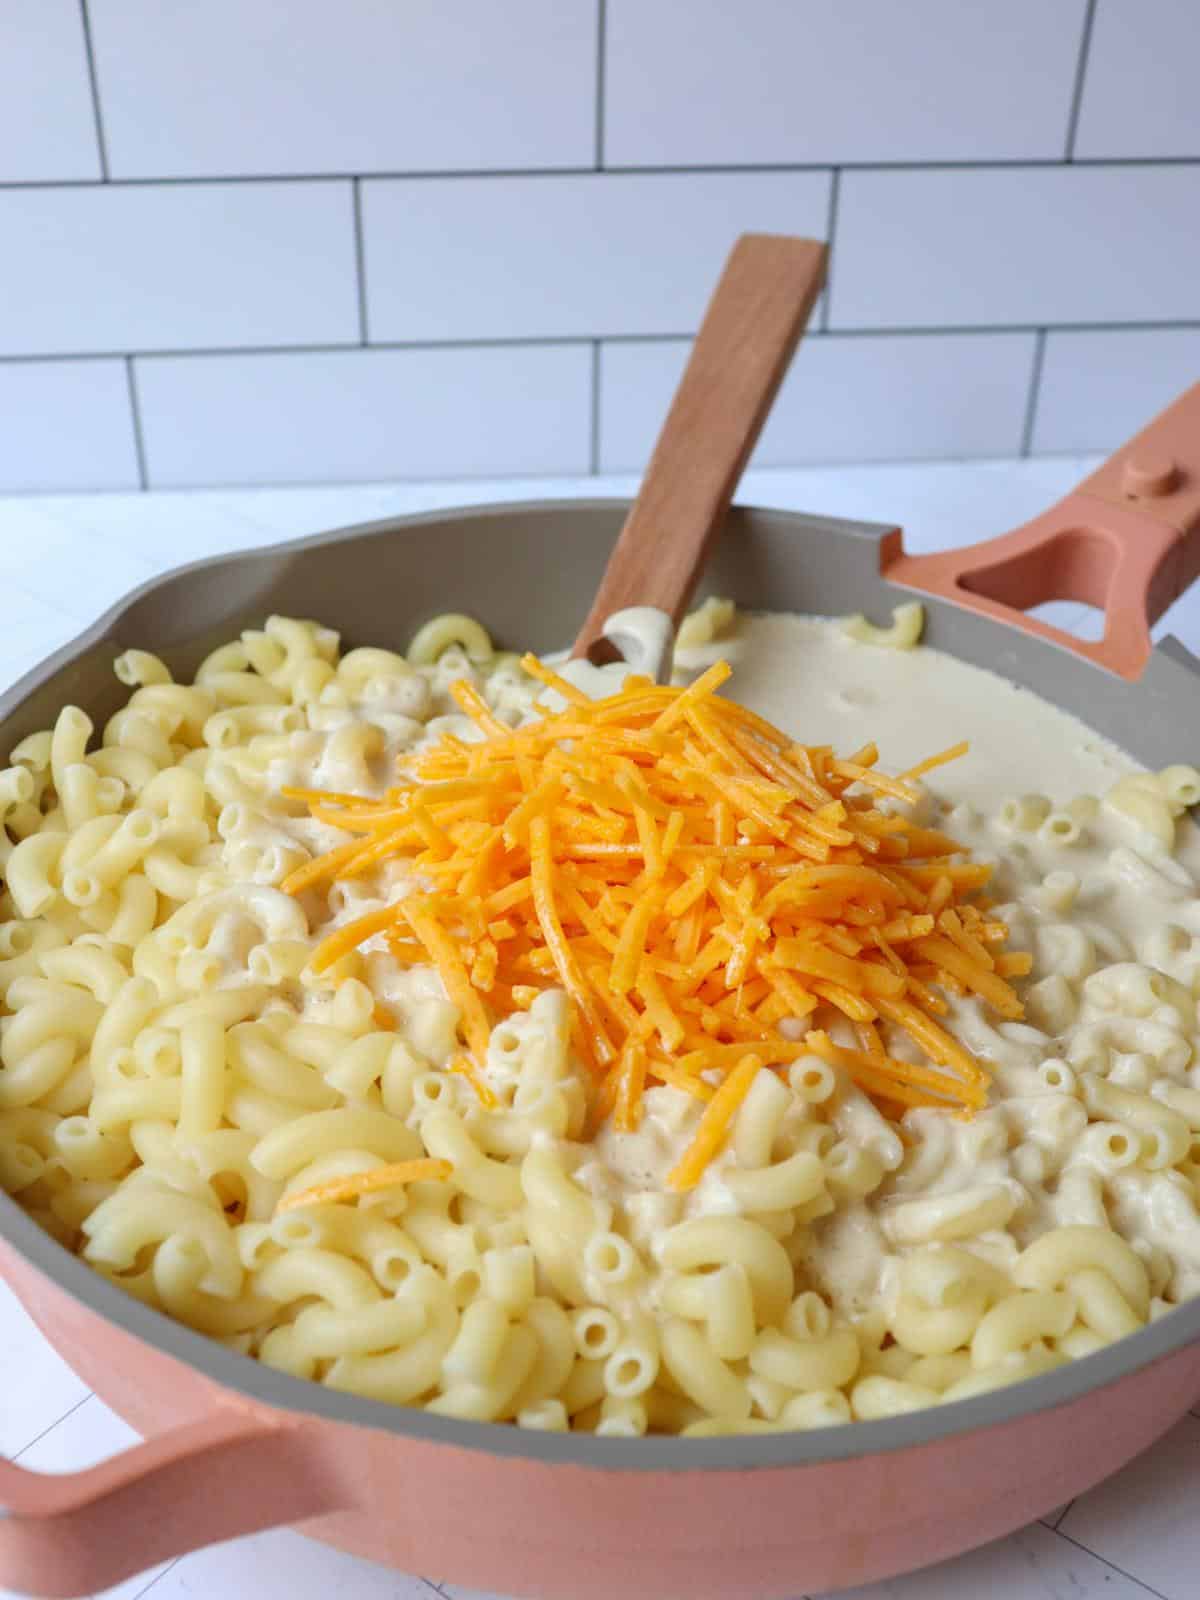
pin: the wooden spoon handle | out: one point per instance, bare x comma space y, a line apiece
750, 331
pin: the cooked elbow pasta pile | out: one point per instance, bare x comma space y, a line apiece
298, 1163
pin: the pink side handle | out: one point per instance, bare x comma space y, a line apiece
1127, 541
230, 1473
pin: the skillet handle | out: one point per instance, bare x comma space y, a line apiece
1127, 540
231, 1472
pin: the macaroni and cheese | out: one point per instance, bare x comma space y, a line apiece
623, 1149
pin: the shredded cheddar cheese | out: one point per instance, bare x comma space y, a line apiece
714, 1124
426, 1169
692, 877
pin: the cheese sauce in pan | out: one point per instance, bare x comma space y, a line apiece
1100, 902
922, 1237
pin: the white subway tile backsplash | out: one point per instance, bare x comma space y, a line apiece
1139, 96
564, 257
243, 178
805, 82
47, 123
239, 87
67, 425
864, 398
1016, 245
1099, 388
109, 268
366, 414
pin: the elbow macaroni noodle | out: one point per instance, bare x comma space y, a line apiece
908, 622
176, 1082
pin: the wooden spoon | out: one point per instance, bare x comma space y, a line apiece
746, 342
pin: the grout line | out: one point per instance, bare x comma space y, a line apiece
1035, 391
147, 1587
50, 1429
360, 263
708, 169
94, 82
835, 184
1081, 66
436, 1587
139, 440
906, 330
1112, 1566
1058, 1521
594, 441
714, 169
601, 74
342, 348
666, 336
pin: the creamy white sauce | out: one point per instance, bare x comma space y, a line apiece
1094, 1103
816, 683
812, 680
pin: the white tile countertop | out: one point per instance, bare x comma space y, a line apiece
65, 559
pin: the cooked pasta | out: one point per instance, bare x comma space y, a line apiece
581, 1073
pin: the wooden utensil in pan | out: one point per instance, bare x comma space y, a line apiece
750, 331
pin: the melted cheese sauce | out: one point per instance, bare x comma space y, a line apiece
1094, 1104
1087, 891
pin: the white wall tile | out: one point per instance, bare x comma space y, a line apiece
1016, 245
67, 425
565, 256
366, 414
866, 398
229, 87
1099, 388
781, 81
113, 269
1144, 1520
1139, 95
47, 123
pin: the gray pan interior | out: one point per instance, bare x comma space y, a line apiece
528, 571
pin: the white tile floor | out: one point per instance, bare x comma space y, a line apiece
65, 559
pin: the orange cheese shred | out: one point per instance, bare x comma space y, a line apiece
695, 880
426, 1169
484, 1093
714, 1124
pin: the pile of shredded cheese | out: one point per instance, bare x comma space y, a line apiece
693, 878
